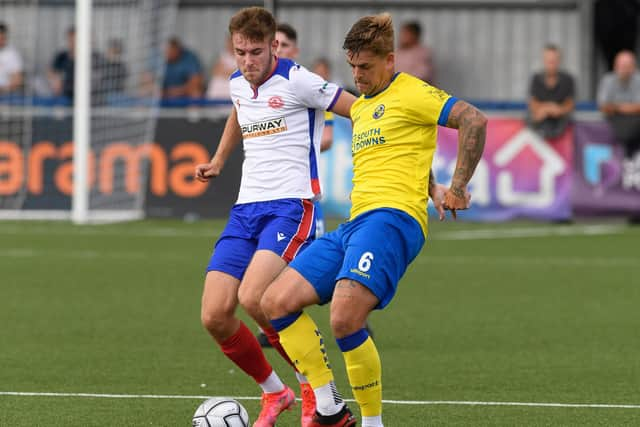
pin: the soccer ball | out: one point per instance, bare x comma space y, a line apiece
220, 412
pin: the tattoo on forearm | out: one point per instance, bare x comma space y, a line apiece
458, 191
472, 131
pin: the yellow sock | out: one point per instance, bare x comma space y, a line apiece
365, 374
304, 344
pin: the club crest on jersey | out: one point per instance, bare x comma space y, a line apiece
378, 112
267, 127
276, 102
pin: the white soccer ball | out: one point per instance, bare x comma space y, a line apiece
220, 412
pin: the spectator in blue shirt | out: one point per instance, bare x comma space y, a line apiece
183, 75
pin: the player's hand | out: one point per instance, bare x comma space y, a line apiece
456, 199
206, 171
437, 193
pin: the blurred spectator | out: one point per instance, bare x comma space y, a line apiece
183, 74
224, 66
287, 38
551, 96
11, 68
322, 67
62, 68
411, 56
62, 71
619, 101
114, 70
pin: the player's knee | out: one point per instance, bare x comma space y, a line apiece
267, 303
277, 304
216, 320
250, 301
273, 304
344, 323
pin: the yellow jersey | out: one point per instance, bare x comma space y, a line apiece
328, 118
393, 142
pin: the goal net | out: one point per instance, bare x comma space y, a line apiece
91, 74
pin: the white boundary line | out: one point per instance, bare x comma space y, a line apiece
211, 232
523, 232
390, 402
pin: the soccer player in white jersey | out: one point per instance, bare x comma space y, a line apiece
278, 113
287, 38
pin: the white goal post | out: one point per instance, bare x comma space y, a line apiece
111, 101
82, 113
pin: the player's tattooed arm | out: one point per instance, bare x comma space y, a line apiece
472, 132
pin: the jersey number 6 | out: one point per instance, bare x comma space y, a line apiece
365, 261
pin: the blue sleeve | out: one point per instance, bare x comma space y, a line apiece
194, 65
446, 109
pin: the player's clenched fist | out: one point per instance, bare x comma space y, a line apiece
456, 199
206, 171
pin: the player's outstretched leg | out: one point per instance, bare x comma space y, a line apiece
302, 339
264, 267
306, 392
238, 343
304, 343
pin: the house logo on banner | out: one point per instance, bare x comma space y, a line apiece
552, 166
519, 175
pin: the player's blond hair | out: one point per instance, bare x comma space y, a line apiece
254, 23
373, 33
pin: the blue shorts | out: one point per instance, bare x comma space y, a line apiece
285, 227
373, 249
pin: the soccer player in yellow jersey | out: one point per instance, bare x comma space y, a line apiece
358, 266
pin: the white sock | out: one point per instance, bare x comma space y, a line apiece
372, 421
328, 400
272, 384
301, 378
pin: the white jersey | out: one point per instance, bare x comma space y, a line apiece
281, 122
10, 63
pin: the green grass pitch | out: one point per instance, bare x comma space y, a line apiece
516, 312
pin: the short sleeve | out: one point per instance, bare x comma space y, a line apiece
604, 90
533, 92
572, 86
312, 90
427, 104
197, 67
193, 65
16, 62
